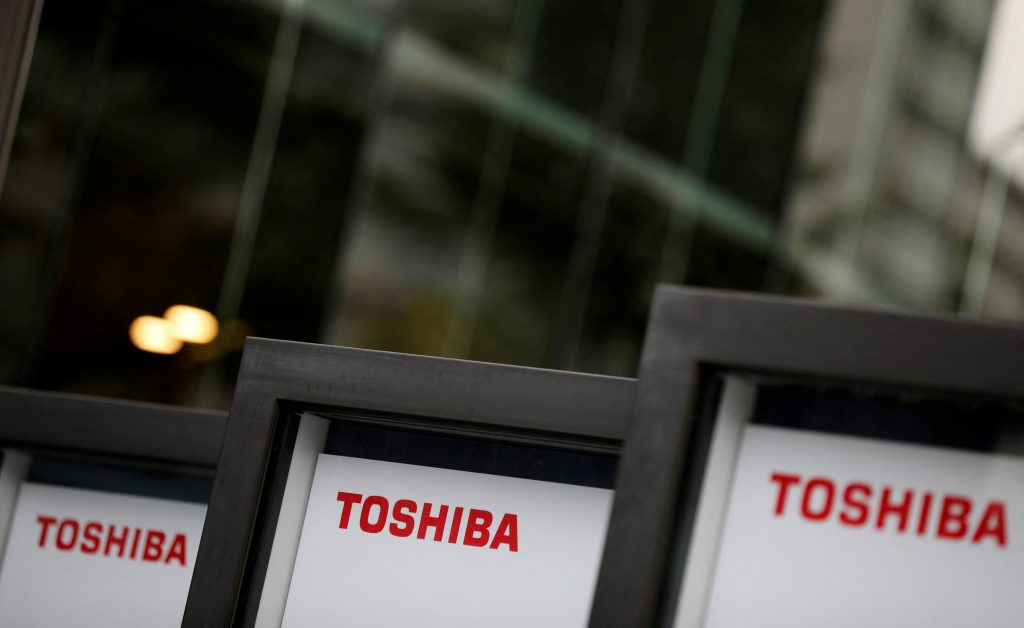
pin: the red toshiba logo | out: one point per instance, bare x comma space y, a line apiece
859, 504
93, 537
407, 516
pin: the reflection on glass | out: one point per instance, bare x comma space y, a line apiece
502, 180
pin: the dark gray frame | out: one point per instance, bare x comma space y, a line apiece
280, 378
106, 429
694, 334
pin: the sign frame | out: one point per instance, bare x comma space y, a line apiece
128, 435
280, 378
110, 430
694, 335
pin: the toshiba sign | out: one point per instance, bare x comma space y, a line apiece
407, 516
68, 534
839, 531
862, 505
388, 544
108, 559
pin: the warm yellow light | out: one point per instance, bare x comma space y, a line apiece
153, 334
191, 324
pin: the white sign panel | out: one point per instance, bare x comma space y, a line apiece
845, 532
386, 544
93, 559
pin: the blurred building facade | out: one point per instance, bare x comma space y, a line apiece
503, 180
888, 199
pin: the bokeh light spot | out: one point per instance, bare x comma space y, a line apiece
192, 324
153, 334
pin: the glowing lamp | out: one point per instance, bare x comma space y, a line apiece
153, 334
191, 324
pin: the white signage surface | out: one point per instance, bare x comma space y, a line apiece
94, 559
845, 532
387, 544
